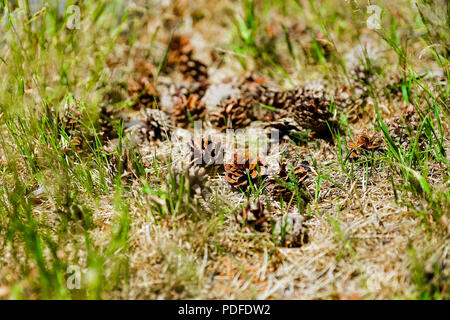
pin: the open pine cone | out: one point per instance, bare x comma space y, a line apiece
311, 109
360, 73
181, 55
142, 92
188, 110
126, 162
283, 184
402, 128
252, 84
255, 216
206, 152
290, 230
235, 113
324, 44
141, 89
366, 142
287, 128
106, 129
350, 102
69, 123
181, 50
244, 168
188, 88
280, 99
307, 106
155, 126
194, 178
194, 70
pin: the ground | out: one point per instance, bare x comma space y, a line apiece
99, 200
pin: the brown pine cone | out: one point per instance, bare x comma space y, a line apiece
403, 127
142, 92
365, 142
155, 126
181, 55
141, 88
287, 128
125, 163
307, 106
69, 123
194, 178
243, 167
360, 73
291, 231
324, 44
277, 100
282, 186
350, 102
206, 152
311, 109
198, 88
251, 83
280, 99
235, 113
194, 70
255, 216
393, 86
181, 50
188, 110
106, 129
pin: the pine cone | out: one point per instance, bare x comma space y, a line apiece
126, 163
243, 167
324, 44
352, 100
181, 55
307, 106
186, 89
311, 109
406, 126
155, 126
194, 178
141, 88
360, 73
350, 103
236, 113
366, 142
69, 124
283, 185
181, 50
188, 110
392, 88
280, 99
142, 92
206, 152
287, 128
276, 99
291, 230
255, 216
194, 70
251, 83
106, 129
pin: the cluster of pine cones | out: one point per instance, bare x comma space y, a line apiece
288, 110
307, 108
